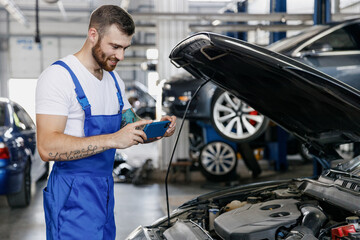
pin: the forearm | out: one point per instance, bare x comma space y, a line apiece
54, 145
62, 147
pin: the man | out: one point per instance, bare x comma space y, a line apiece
79, 110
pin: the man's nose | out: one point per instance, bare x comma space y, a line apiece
120, 54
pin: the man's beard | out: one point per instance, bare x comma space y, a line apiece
101, 58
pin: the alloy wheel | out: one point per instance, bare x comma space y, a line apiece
218, 159
236, 120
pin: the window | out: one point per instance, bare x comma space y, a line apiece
340, 40
22, 119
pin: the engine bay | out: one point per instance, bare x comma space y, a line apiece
326, 208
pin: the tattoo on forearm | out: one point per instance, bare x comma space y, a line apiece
77, 154
129, 117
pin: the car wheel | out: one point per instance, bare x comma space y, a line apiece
235, 120
22, 198
218, 161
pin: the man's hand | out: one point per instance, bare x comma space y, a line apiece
171, 129
169, 132
131, 134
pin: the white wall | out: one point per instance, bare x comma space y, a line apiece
169, 34
22, 91
4, 67
28, 59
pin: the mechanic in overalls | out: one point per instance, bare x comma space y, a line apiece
82, 116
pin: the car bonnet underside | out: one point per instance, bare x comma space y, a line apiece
315, 107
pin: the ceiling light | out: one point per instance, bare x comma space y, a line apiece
216, 22
14, 11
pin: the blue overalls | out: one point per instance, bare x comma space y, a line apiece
79, 197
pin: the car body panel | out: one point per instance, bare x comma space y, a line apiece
185, 85
294, 95
21, 142
333, 49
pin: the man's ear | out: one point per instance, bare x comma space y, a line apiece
93, 35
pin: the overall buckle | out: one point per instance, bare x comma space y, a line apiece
83, 102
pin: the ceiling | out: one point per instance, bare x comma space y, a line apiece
201, 14
74, 14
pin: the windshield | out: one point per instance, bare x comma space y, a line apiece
286, 44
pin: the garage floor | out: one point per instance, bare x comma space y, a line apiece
135, 205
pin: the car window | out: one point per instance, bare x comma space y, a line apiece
2, 114
22, 119
286, 44
339, 40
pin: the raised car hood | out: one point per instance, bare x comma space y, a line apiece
319, 109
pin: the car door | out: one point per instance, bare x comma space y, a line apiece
26, 126
336, 53
27, 131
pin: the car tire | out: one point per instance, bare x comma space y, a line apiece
218, 161
22, 198
234, 120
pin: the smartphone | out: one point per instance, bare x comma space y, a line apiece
156, 129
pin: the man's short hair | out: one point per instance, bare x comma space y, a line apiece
105, 16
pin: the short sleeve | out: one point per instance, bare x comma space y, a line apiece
53, 91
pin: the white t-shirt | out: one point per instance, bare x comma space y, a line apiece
55, 94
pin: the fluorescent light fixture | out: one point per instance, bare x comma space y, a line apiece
216, 22
62, 9
152, 53
14, 11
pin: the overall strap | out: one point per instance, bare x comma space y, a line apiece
121, 103
82, 99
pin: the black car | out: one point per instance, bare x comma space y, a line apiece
213, 105
333, 49
323, 112
141, 101
20, 163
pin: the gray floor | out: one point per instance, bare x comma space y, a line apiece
135, 205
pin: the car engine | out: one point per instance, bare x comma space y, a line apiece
326, 208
